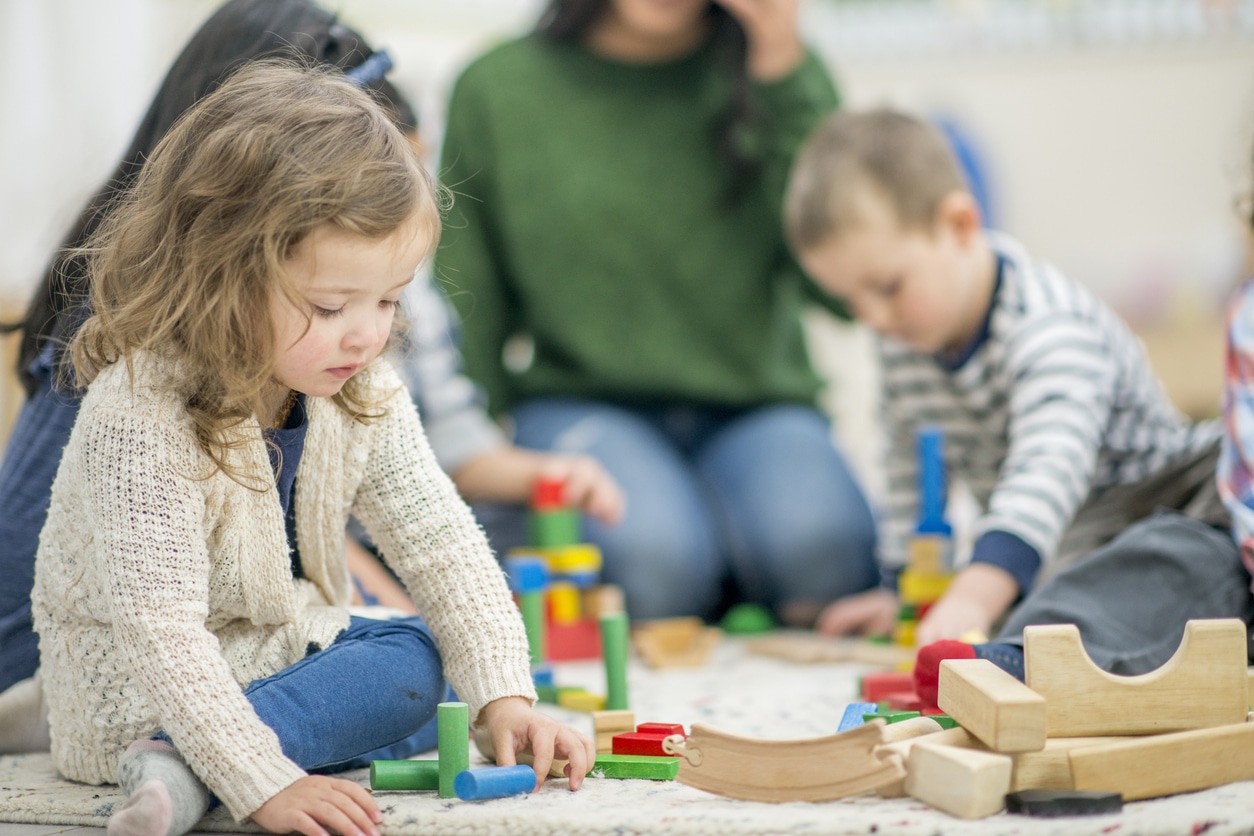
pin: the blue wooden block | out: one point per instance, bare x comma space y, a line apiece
494, 782
853, 715
526, 573
542, 674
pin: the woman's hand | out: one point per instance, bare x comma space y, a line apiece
516, 727
775, 48
870, 613
588, 486
317, 805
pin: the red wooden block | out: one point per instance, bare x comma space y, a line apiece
930, 710
664, 729
568, 642
904, 701
635, 743
877, 686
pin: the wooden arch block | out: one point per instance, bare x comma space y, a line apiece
1202, 685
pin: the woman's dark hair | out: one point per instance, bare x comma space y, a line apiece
737, 131
238, 32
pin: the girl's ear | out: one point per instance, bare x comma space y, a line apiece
960, 214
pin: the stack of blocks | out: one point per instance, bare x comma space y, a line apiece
930, 563
625, 750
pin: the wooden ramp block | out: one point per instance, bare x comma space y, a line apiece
1202, 685
1167, 763
899, 750
1005, 714
961, 782
1050, 768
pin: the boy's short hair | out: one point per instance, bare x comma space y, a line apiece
856, 156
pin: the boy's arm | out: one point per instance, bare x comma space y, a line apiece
1236, 462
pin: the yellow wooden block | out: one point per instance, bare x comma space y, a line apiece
564, 602
572, 560
903, 633
915, 588
577, 700
929, 554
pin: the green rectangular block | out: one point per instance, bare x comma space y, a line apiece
547, 693
635, 766
890, 716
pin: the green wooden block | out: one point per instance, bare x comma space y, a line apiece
406, 776
635, 766
454, 741
547, 693
559, 527
890, 716
946, 722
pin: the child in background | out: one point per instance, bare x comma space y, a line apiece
1051, 413
190, 582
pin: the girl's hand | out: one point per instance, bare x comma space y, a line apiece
870, 613
317, 805
770, 26
589, 487
978, 595
517, 727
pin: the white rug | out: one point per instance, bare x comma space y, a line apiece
737, 693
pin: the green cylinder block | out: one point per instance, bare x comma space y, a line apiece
405, 775
614, 643
559, 527
453, 727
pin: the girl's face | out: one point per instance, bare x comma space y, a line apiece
650, 29
352, 286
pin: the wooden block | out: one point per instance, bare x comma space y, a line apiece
904, 701
564, 602
635, 743
664, 729
1204, 684
911, 728
808, 647
675, 642
899, 751
635, 766
876, 686
603, 599
577, 699
620, 720
1050, 768
916, 588
1001, 711
821, 769
1166, 764
854, 715
965, 783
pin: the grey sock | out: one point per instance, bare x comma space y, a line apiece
164, 796
24, 718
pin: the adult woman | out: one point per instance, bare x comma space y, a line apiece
619, 174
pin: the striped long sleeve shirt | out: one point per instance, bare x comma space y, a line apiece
1055, 402
1236, 459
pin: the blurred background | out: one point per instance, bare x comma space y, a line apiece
1113, 137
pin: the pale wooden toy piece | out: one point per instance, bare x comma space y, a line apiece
1005, 714
1203, 684
603, 599
819, 769
1050, 768
675, 642
606, 724
1166, 764
808, 647
899, 748
966, 783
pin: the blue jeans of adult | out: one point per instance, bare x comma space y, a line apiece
27, 471
760, 494
372, 695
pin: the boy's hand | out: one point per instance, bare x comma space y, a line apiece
975, 599
589, 487
770, 26
517, 727
870, 613
317, 805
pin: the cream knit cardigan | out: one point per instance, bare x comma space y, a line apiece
163, 588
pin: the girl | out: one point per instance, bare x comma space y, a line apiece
190, 583
623, 168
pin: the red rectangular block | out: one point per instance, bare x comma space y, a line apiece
664, 729
570, 642
635, 743
904, 701
877, 686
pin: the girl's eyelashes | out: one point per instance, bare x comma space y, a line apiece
394, 304
327, 312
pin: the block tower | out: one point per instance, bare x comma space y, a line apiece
930, 562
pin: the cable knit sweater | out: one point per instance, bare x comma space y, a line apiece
163, 588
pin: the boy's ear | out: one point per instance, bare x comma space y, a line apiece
960, 213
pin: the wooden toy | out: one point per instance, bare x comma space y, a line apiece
891, 715
407, 776
453, 730
614, 650
606, 724
675, 642
808, 647
898, 747
875, 686
904, 701
635, 766
854, 715
565, 602
552, 522
1165, 764
603, 599
1050, 768
1051, 803
577, 699
635, 743
821, 769
1001, 711
494, 782
664, 729
569, 642
966, 783
747, 618
1204, 684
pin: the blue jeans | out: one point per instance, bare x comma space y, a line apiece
27, 471
760, 494
371, 695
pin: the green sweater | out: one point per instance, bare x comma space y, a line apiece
591, 212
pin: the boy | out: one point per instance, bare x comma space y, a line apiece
1050, 410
